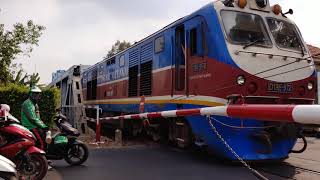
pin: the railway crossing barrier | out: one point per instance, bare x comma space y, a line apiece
303, 114
97, 120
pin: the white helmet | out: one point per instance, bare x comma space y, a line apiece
4, 110
5, 107
35, 89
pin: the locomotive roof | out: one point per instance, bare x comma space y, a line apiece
173, 24
177, 22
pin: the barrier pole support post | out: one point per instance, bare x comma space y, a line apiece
122, 122
98, 127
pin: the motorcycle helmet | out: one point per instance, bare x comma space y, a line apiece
35, 89
4, 110
34, 93
5, 107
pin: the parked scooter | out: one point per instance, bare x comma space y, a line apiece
65, 144
7, 169
18, 144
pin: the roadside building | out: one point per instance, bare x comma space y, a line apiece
69, 83
56, 75
315, 52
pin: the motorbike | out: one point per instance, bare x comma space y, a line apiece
7, 169
65, 144
18, 144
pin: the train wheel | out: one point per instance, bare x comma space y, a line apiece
153, 131
180, 133
155, 137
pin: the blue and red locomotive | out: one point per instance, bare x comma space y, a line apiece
242, 51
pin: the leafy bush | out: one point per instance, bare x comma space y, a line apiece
14, 95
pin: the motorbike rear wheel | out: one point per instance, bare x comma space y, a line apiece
35, 169
77, 154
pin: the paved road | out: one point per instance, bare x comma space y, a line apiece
156, 163
144, 162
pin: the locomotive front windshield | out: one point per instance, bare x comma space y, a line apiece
285, 34
244, 28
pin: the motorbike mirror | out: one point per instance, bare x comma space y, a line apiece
12, 118
2, 158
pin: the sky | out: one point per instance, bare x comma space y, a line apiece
82, 31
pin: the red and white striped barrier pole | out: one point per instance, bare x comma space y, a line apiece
98, 124
303, 114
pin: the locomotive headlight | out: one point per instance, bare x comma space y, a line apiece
262, 3
310, 86
241, 80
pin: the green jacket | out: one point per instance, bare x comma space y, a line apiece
30, 117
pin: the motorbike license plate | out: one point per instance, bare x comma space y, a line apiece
280, 87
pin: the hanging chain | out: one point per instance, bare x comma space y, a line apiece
255, 172
244, 127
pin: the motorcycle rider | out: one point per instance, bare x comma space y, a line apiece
30, 117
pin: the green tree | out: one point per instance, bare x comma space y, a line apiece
34, 79
26, 80
20, 79
18, 41
118, 47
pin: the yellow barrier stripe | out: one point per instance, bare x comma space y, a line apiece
195, 102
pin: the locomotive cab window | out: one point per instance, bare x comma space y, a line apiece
245, 28
197, 41
159, 44
285, 34
193, 41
